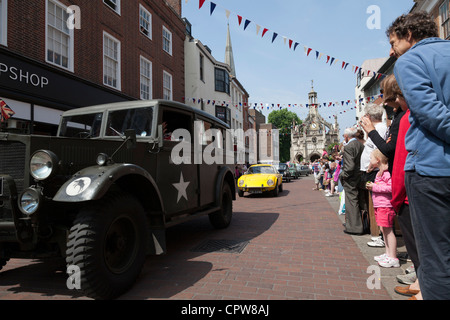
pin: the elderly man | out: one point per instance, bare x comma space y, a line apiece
350, 177
423, 72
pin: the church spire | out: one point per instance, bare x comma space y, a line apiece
229, 59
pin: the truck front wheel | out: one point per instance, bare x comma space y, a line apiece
107, 242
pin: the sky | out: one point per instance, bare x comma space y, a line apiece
272, 72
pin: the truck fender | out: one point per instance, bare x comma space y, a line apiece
92, 183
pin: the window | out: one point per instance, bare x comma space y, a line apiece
145, 22
444, 19
81, 126
167, 86
111, 61
146, 79
201, 67
222, 80
167, 40
139, 119
59, 45
113, 4
3, 21
224, 114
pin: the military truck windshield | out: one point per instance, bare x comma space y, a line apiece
81, 126
139, 119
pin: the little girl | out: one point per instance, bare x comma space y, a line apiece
384, 213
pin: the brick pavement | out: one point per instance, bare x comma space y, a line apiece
296, 250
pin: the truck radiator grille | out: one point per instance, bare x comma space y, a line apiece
12, 162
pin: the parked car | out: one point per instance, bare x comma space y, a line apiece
303, 170
260, 178
293, 170
284, 170
102, 192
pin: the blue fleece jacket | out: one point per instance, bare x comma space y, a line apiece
423, 74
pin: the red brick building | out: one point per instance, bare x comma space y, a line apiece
57, 55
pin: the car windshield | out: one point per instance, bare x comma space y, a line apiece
282, 166
139, 119
81, 126
253, 170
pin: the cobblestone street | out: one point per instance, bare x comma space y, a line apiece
284, 248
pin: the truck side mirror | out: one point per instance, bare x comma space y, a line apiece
130, 135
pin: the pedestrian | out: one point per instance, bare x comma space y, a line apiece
350, 177
381, 190
423, 72
399, 198
374, 114
390, 91
316, 172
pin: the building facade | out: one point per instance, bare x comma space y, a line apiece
213, 87
57, 55
309, 139
440, 11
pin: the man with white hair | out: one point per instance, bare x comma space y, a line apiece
350, 177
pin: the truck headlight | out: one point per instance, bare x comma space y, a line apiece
102, 159
270, 182
29, 201
42, 164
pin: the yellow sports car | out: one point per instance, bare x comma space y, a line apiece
260, 178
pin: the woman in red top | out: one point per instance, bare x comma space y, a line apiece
394, 96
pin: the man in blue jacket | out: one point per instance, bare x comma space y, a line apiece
423, 74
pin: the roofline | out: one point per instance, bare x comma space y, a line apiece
142, 104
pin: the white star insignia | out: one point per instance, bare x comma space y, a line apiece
181, 187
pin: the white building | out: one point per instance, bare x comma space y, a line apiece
315, 134
212, 86
368, 86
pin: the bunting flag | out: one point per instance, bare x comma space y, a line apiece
274, 36
246, 23
330, 107
212, 8
5, 111
330, 59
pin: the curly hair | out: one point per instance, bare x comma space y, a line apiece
420, 24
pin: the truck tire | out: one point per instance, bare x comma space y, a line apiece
108, 243
222, 218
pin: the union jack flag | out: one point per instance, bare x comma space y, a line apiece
5, 111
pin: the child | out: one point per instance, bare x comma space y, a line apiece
384, 213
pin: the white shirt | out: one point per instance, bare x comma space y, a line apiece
369, 146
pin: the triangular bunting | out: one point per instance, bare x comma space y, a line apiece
212, 8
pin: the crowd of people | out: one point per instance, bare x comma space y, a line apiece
403, 168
